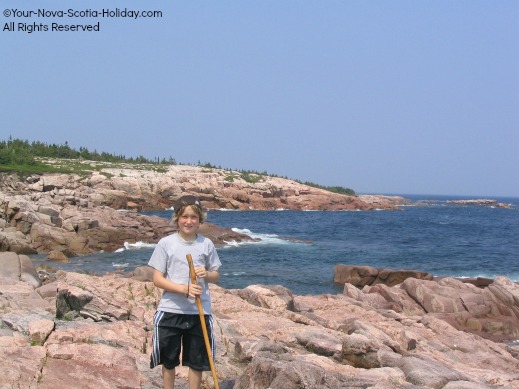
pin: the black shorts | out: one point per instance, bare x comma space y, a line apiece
173, 331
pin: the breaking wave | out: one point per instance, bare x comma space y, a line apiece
261, 239
135, 246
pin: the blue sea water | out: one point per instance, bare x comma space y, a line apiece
300, 249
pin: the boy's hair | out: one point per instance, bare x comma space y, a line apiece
187, 201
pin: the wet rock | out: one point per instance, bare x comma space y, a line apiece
58, 256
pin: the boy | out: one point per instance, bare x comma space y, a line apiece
177, 321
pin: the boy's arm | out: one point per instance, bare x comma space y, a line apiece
163, 283
213, 276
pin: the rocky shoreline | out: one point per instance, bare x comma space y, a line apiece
420, 333
71, 214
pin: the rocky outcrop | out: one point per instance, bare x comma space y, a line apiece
29, 229
491, 312
66, 225
96, 331
74, 214
483, 202
481, 306
368, 275
146, 187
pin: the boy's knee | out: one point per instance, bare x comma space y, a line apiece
168, 371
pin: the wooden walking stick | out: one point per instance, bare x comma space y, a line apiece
202, 321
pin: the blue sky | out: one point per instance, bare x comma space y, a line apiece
414, 97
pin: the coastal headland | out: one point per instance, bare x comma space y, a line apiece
70, 214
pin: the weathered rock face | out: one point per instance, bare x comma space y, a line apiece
491, 312
75, 214
18, 267
96, 331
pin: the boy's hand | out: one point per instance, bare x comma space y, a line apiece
209, 276
194, 290
200, 272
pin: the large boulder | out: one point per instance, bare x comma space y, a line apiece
16, 241
18, 267
268, 296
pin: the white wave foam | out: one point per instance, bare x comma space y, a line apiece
231, 243
511, 277
259, 238
120, 265
234, 273
242, 231
140, 244
137, 245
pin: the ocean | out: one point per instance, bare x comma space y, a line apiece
299, 249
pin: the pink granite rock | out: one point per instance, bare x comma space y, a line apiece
266, 336
39, 330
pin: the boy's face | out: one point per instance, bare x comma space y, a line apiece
188, 223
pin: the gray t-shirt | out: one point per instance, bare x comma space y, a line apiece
169, 257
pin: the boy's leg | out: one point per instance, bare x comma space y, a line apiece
194, 378
194, 349
168, 378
